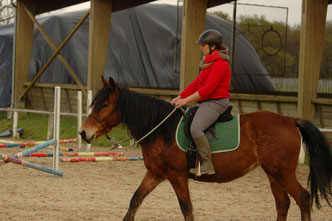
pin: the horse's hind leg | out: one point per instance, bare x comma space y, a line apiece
281, 199
179, 183
292, 186
149, 182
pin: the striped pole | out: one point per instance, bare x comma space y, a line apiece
31, 165
100, 159
61, 149
31, 150
34, 143
68, 141
3, 156
78, 154
60, 141
66, 149
10, 145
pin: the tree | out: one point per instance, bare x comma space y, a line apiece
221, 14
6, 11
326, 66
286, 62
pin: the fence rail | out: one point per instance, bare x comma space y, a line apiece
39, 112
51, 114
291, 85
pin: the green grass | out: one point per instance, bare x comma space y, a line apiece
35, 128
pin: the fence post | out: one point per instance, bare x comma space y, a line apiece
79, 118
56, 131
88, 111
132, 140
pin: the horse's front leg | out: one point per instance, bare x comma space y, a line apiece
179, 182
149, 182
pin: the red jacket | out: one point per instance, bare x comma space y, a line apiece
212, 82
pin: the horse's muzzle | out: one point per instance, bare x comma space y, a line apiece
84, 137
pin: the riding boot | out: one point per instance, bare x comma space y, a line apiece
205, 154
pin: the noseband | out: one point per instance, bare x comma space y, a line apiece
101, 121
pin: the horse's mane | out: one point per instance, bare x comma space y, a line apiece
141, 113
102, 95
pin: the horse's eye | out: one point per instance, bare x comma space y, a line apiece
105, 105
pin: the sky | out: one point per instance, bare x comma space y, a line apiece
277, 14
271, 14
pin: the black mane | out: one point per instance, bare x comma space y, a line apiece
102, 95
141, 113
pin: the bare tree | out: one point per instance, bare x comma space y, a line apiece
7, 11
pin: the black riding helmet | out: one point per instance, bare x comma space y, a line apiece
211, 37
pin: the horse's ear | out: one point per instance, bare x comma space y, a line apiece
112, 83
106, 84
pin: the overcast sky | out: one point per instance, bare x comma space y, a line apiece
278, 14
294, 9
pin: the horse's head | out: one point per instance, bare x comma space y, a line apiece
105, 113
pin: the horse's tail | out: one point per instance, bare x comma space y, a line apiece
320, 176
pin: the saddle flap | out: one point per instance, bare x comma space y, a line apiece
228, 133
189, 116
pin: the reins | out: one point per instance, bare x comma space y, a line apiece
116, 145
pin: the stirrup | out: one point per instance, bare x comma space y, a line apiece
199, 173
199, 169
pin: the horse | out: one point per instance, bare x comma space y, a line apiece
268, 139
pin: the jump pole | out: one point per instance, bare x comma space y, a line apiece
60, 141
15, 158
78, 154
56, 131
31, 165
10, 145
28, 151
36, 143
66, 149
100, 159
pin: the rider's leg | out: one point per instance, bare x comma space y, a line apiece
205, 154
206, 115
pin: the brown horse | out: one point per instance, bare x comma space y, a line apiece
270, 140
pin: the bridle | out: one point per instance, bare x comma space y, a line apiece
101, 121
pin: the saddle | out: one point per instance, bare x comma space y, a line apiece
209, 132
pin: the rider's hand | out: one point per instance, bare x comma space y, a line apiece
175, 100
179, 103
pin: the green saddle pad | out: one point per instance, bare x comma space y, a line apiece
228, 133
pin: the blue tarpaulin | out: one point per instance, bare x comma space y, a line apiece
140, 53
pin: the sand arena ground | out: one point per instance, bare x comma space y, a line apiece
102, 191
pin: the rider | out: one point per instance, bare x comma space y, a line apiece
211, 90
